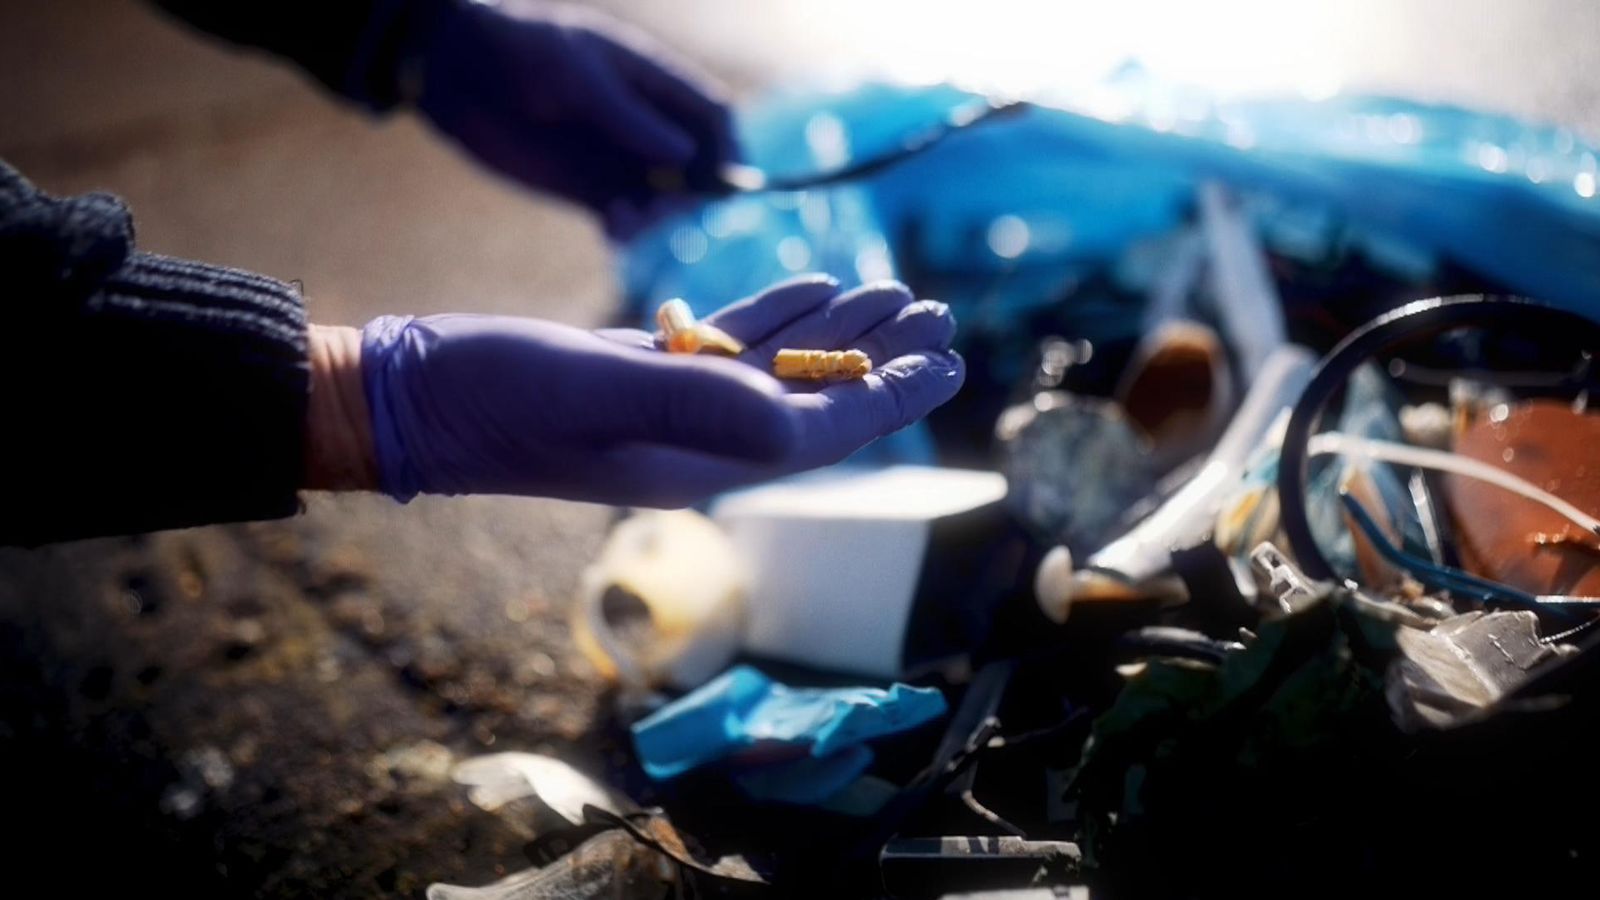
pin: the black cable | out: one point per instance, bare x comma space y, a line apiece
740, 179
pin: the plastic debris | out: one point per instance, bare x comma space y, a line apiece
1241, 764
1370, 411
743, 711
1052, 584
681, 333
807, 781
914, 540
1464, 665
821, 365
499, 778
1427, 425
663, 605
1178, 389
1063, 185
1246, 299
1288, 587
1126, 565
1049, 442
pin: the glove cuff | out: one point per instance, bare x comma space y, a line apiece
383, 377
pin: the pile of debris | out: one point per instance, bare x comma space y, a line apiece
1236, 594
1324, 646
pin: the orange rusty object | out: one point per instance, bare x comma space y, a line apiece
1509, 539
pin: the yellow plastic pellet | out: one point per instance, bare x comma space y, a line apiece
821, 365
681, 333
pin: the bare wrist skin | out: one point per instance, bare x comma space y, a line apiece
338, 435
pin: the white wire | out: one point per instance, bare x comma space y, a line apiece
1339, 443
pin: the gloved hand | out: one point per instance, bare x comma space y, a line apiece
566, 100
501, 405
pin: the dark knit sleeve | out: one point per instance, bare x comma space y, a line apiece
354, 47
141, 392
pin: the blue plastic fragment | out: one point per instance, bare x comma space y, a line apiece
743, 710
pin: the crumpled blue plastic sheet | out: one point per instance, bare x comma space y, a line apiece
812, 739
807, 781
1009, 208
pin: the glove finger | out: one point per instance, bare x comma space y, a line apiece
717, 406
626, 117
842, 321
842, 418
924, 325
754, 319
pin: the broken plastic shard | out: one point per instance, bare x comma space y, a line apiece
1464, 665
612, 864
499, 778
1246, 299
1284, 581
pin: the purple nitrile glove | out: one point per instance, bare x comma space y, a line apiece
467, 404
566, 100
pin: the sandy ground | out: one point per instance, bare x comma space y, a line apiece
268, 709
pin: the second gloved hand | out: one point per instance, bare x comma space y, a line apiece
490, 404
566, 100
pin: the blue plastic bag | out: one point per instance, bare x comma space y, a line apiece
1512, 200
